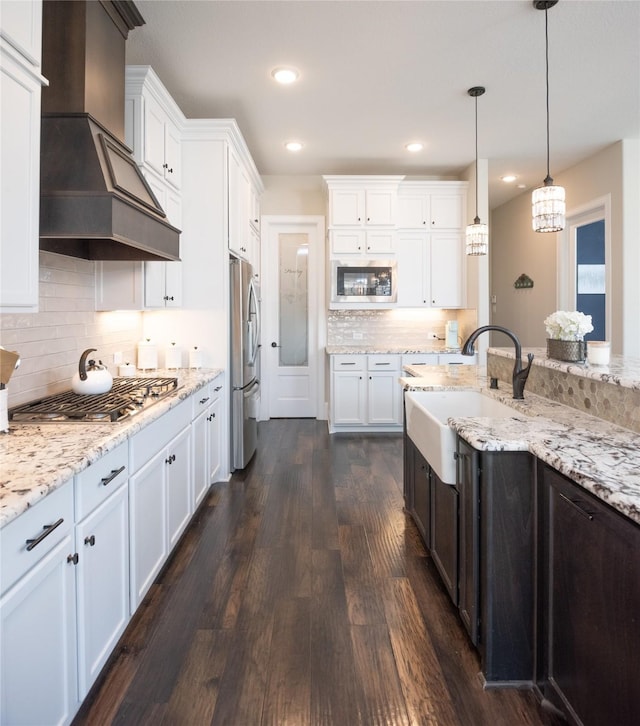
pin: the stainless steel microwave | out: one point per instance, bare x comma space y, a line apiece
362, 281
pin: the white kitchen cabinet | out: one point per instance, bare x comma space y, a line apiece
102, 543
160, 489
156, 140
430, 270
361, 204
432, 205
20, 90
38, 666
162, 284
206, 433
365, 392
244, 211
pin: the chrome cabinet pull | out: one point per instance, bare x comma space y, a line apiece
112, 476
47, 530
384, 364
577, 506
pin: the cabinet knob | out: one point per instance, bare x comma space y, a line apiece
73, 559
90, 540
171, 459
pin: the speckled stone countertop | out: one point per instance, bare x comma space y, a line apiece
35, 459
622, 371
596, 454
434, 347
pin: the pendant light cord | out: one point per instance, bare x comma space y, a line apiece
477, 219
548, 180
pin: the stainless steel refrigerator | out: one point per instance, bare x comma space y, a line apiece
245, 349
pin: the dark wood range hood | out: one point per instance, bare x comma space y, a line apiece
94, 201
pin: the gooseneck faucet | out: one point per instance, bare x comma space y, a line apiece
520, 374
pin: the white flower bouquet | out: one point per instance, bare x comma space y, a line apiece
572, 325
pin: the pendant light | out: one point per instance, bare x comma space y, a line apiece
547, 201
477, 234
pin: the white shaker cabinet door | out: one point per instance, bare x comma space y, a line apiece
179, 485
39, 658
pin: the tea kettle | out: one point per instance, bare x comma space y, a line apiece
91, 378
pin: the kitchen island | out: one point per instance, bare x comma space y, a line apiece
538, 542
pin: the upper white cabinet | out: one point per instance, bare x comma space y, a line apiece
244, 207
432, 205
161, 148
20, 87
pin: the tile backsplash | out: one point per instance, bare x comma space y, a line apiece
51, 341
400, 327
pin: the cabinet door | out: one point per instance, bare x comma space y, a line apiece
422, 496
381, 243
214, 428
347, 242
413, 279
173, 155
148, 525
593, 600
380, 207
163, 284
444, 533
346, 207
238, 207
414, 211
200, 448
179, 485
39, 655
446, 271
383, 398
154, 122
469, 533
102, 541
447, 211
19, 161
348, 405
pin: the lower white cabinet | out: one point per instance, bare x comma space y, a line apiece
365, 392
160, 505
102, 544
38, 666
206, 433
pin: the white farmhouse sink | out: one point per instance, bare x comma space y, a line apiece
427, 414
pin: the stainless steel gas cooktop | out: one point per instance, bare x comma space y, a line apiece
127, 397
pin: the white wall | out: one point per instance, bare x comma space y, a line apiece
293, 195
516, 249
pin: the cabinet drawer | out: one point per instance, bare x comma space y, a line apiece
146, 443
383, 363
101, 479
457, 359
420, 359
200, 400
348, 362
15, 558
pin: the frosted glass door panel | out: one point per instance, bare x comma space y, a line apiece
294, 299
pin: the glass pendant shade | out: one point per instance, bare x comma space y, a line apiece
477, 238
548, 208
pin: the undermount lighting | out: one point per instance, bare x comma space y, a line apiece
414, 146
547, 201
508, 178
285, 75
477, 234
293, 146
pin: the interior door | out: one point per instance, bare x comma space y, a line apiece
290, 307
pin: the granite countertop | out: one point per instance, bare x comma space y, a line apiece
599, 456
35, 459
434, 347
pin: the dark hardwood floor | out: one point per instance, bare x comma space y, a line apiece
302, 595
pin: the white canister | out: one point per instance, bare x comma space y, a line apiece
598, 352
127, 370
195, 357
147, 355
173, 356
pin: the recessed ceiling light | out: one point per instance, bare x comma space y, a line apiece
414, 146
521, 186
293, 145
508, 178
285, 75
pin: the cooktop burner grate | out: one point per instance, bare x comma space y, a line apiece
127, 397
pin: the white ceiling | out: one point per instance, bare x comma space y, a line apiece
378, 74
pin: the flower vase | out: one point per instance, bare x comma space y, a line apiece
574, 351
